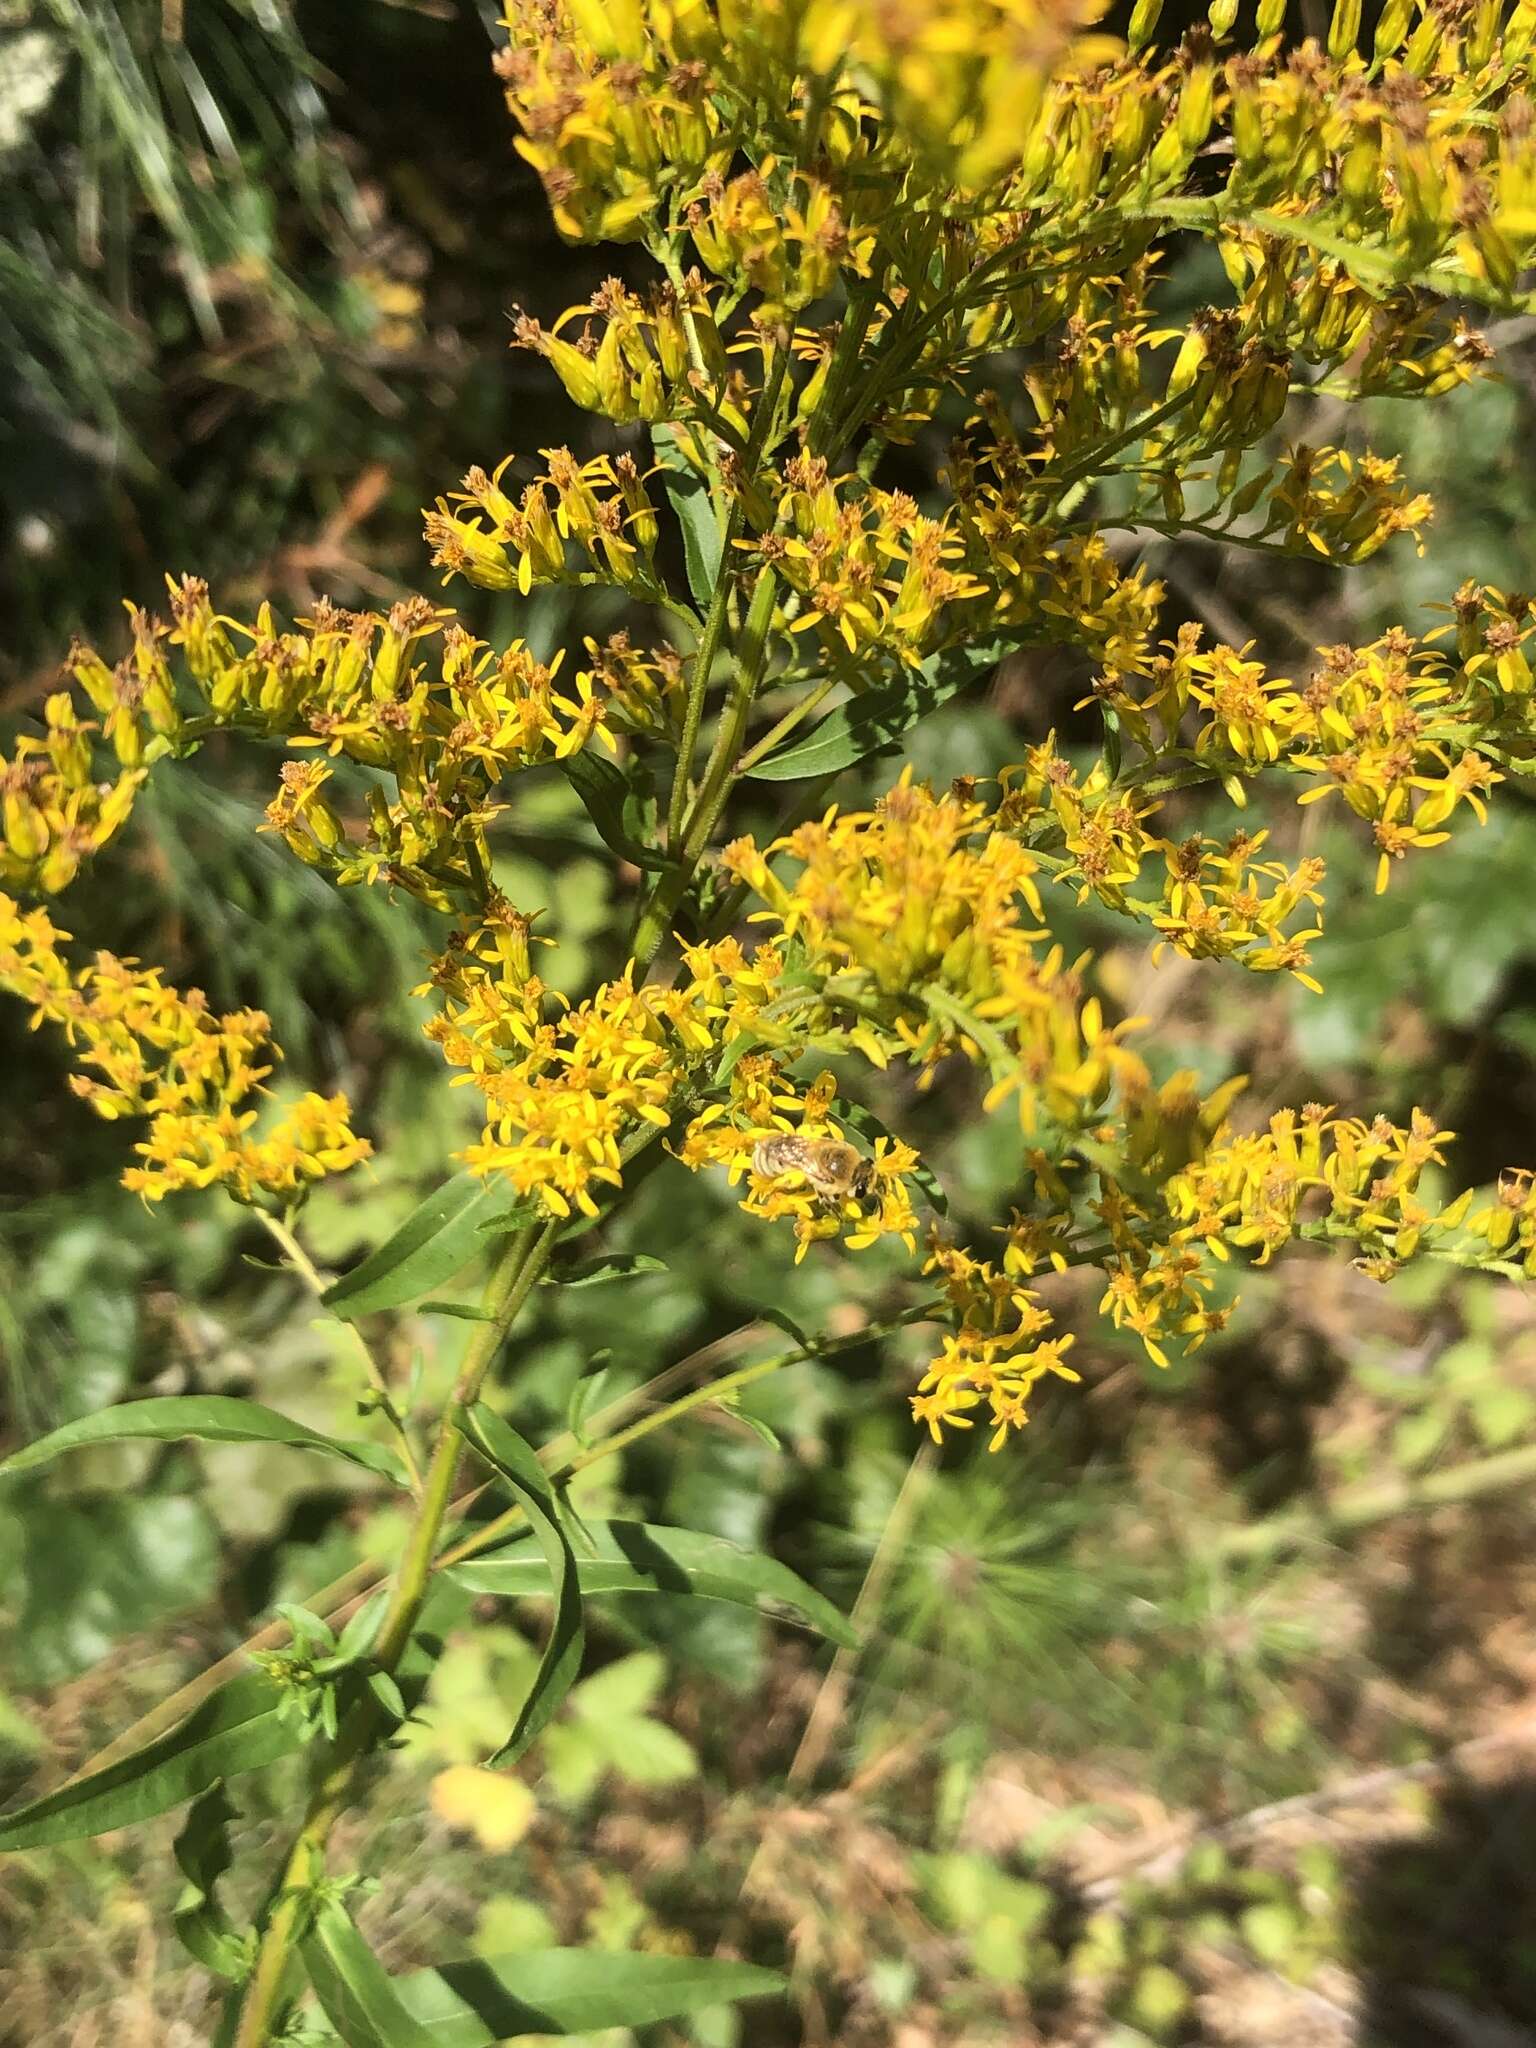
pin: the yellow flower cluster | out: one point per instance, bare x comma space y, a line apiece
1218, 900
570, 1092
601, 506
869, 571
764, 1104
790, 250
54, 813
564, 1093
410, 693
1403, 733
1507, 1226
166, 1058
993, 1355
656, 357
916, 944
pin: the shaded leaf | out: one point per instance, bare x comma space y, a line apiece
239, 1729
203, 1854
689, 497
874, 720
592, 1272
441, 1235
614, 805
642, 1557
209, 1418
501, 1446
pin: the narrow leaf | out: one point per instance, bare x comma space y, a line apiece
441, 1235
209, 1418
570, 1991
203, 1854
592, 1272
882, 715
689, 497
358, 1995
643, 1557
239, 1729
501, 1446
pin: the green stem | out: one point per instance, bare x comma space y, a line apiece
764, 426
300, 1260
795, 715
674, 882
845, 356
698, 679
513, 1279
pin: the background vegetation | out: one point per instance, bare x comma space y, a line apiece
1205, 1720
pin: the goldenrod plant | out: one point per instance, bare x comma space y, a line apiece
865, 226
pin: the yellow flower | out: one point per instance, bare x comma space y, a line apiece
166, 1058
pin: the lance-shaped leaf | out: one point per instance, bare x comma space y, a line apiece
689, 497
357, 1993
615, 805
559, 1991
203, 1854
879, 717
441, 1235
616, 1266
210, 1419
241, 1728
501, 1446
643, 1557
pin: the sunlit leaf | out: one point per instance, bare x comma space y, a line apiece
439, 1237
641, 1557
501, 1446
239, 1729
570, 1991
206, 1418
359, 1997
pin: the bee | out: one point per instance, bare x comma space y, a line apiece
833, 1170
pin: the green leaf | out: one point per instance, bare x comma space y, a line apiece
239, 1729
203, 1854
210, 1418
642, 1557
502, 1447
593, 1272
882, 715
462, 1311
694, 508
614, 805
441, 1235
569, 1991
359, 1996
